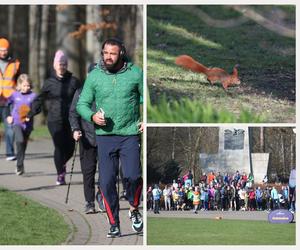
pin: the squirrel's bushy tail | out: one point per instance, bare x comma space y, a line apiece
188, 62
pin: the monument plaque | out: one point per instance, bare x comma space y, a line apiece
234, 154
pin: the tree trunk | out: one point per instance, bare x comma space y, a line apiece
34, 43
173, 143
93, 47
250, 150
42, 59
65, 24
11, 22
43, 46
292, 153
139, 33
34, 38
283, 166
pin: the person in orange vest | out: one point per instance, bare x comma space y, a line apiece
196, 199
9, 72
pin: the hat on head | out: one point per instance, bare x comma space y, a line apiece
60, 57
4, 43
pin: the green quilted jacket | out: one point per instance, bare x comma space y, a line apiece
119, 95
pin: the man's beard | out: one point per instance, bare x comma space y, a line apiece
112, 66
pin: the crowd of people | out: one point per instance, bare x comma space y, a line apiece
236, 192
103, 115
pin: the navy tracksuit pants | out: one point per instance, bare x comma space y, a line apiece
111, 150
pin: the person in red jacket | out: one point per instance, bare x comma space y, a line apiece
9, 72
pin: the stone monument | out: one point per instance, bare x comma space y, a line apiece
234, 154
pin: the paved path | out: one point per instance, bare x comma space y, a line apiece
232, 215
38, 183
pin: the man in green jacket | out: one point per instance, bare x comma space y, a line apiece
116, 86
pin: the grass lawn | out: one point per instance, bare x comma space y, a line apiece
40, 132
25, 222
187, 231
37, 133
266, 59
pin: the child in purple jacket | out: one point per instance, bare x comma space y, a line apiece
20, 103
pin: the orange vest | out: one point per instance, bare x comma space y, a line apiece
210, 178
8, 79
196, 198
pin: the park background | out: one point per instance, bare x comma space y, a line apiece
35, 32
260, 38
172, 151
33, 209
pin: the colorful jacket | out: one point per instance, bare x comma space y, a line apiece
119, 95
196, 198
8, 78
21, 103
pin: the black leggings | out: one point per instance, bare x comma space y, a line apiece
88, 163
63, 143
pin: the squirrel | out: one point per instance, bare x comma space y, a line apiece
213, 74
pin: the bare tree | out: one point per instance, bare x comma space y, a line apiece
139, 31
252, 14
93, 16
292, 149
11, 21
37, 31
66, 21
43, 45
173, 143
283, 153
190, 143
34, 36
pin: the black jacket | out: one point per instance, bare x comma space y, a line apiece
59, 93
77, 123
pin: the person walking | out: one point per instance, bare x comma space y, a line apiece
275, 198
59, 90
292, 190
167, 193
84, 133
156, 192
196, 199
9, 72
149, 199
116, 86
21, 101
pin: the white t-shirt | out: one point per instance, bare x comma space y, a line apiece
292, 179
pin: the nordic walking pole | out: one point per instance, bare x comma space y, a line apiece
119, 169
75, 149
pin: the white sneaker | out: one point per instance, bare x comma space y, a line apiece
136, 219
20, 171
11, 158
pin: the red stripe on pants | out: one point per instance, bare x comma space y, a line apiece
108, 211
137, 195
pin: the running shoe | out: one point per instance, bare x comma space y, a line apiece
60, 179
136, 219
114, 232
90, 208
99, 199
11, 158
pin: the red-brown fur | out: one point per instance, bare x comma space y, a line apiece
213, 74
